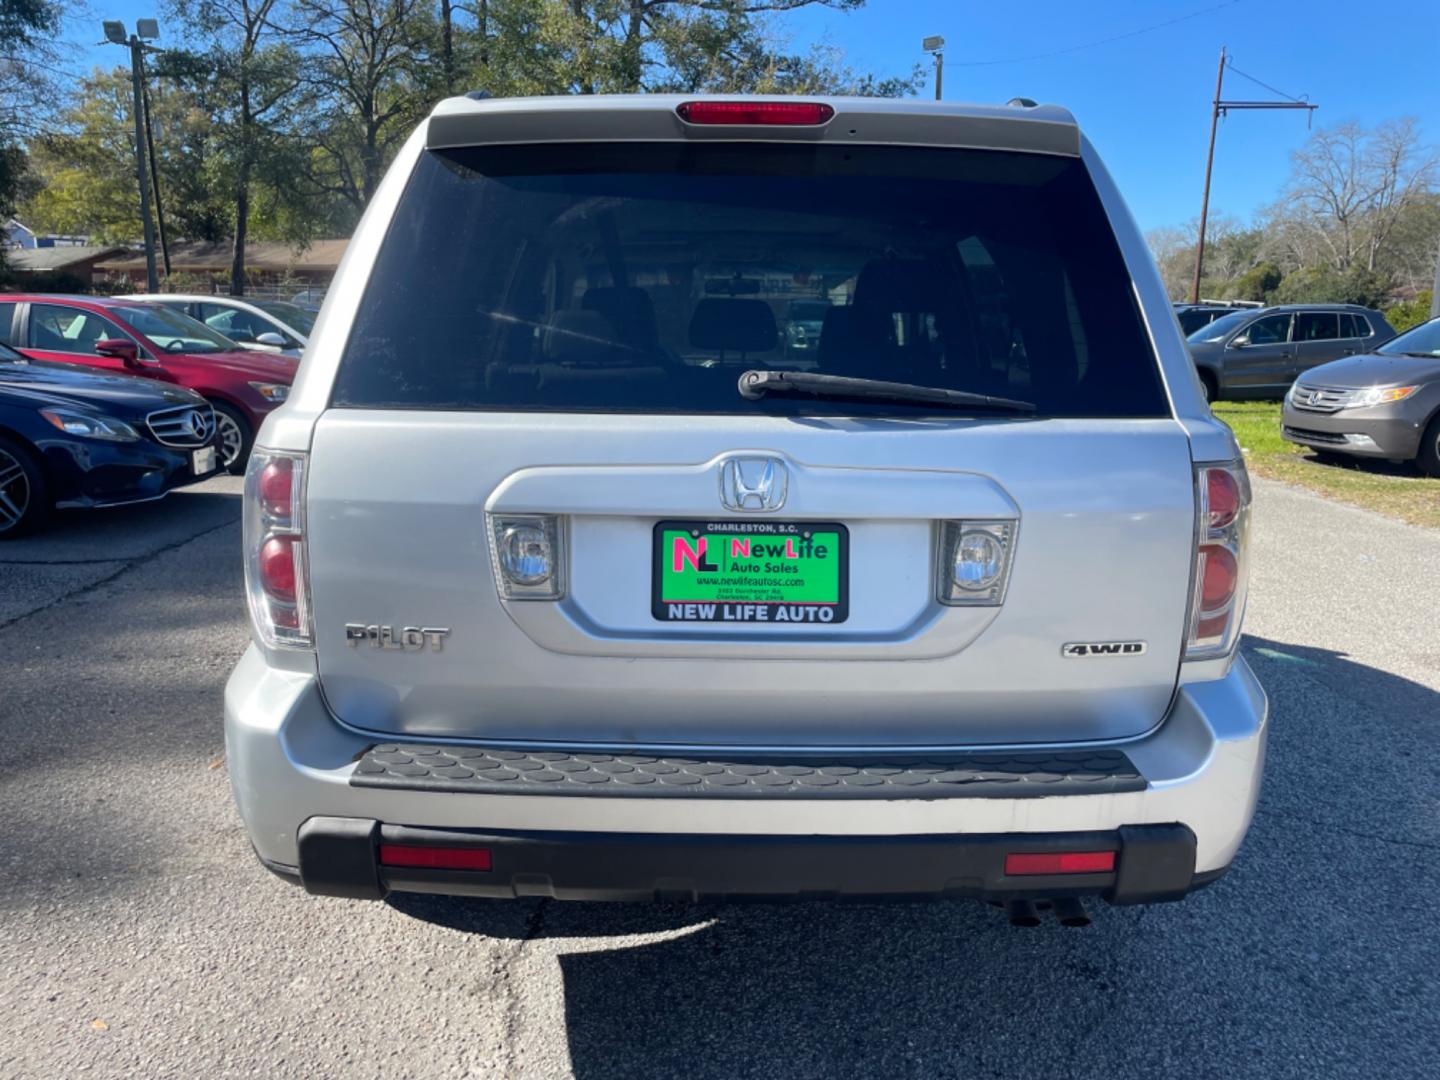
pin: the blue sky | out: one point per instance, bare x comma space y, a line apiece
1144, 99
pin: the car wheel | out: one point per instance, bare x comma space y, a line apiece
235, 436
1208, 387
24, 496
1429, 457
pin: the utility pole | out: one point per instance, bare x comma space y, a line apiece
115, 34
935, 45
1220, 108
1205, 199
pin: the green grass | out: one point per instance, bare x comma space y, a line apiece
1400, 491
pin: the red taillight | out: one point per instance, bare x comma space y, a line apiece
1222, 497
277, 482
1217, 582
1218, 601
435, 858
1061, 862
277, 568
275, 563
798, 113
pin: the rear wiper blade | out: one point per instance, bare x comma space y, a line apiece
754, 385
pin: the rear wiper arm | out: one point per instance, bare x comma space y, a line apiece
756, 384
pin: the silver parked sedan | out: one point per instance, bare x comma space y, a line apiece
1384, 404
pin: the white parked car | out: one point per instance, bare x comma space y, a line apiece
568, 578
270, 325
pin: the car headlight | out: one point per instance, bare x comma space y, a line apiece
270, 391
1379, 395
91, 426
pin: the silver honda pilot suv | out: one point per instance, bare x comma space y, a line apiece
570, 577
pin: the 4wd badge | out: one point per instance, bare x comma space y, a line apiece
1102, 648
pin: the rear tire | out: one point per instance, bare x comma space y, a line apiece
235, 438
1429, 457
24, 494
1209, 387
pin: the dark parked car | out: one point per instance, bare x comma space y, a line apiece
74, 437
1258, 353
131, 338
1385, 404
1192, 317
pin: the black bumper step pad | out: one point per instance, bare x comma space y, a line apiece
990, 774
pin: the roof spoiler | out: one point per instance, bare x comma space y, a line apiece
465, 121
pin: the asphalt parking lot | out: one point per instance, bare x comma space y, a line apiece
139, 936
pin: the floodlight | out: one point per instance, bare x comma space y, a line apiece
114, 31
930, 44
147, 29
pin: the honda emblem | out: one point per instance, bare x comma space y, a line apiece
753, 484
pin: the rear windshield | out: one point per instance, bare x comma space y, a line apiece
647, 278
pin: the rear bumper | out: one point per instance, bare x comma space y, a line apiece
342, 857
292, 767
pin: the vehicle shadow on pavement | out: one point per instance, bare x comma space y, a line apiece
1312, 957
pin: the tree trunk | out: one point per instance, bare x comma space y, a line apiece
633, 37
482, 19
447, 46
242, 225
242, 191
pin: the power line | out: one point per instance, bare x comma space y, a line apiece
1267, 86
1101, 41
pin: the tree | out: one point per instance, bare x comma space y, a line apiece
1349, 188
368, 79
634, 46
249, 81
1409, 313
1325, 285
87, 166
1257, 283
27, 29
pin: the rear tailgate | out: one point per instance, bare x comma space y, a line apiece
398, 506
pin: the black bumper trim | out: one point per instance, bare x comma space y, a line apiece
992, 774
340, 857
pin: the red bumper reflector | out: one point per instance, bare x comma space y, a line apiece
435, 858
1061, 862
755, 112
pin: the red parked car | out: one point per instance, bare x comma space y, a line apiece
145, 339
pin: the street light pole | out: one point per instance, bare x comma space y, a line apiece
115, 34
152, 280
935, 45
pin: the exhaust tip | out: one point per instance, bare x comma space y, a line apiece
1070, 911
1022, 913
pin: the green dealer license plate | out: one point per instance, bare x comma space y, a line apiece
779, 572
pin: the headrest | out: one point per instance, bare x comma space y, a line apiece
580, 337
630, 311
893, 285
730, 325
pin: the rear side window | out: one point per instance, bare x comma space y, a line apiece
7, 321
1317, 326
1354, 326
68, 330
646, 278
